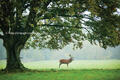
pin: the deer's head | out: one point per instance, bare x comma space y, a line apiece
71, 58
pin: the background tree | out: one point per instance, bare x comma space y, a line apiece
58, 22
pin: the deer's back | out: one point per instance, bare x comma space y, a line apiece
64, 61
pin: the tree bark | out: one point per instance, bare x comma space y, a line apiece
13, 56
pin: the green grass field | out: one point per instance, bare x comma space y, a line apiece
77, 70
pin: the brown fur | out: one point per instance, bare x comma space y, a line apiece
65, 61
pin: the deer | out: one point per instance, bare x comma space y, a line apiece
65, 61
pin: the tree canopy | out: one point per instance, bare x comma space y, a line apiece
60, 22
55, 23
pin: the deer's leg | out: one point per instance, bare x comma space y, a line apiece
59, 65
67, 65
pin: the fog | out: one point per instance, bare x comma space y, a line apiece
88, 52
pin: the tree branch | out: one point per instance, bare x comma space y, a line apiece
55, 25
86, 29
66, 26
74, 16
63, 26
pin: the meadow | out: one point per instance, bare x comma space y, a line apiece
77, 70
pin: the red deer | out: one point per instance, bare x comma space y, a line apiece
66, 61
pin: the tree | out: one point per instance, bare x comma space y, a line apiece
58, 22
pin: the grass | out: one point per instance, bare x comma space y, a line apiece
78, 64
78, 70
64, 75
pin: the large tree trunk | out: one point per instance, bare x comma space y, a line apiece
13, 55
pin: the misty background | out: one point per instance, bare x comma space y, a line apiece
88, 52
